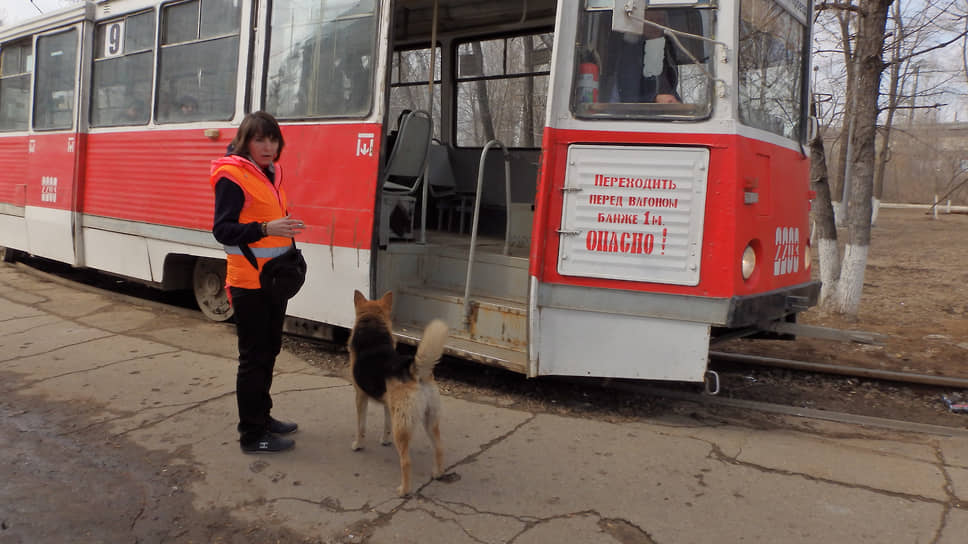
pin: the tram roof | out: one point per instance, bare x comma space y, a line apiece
414, 18
53, 19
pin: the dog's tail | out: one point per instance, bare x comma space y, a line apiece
430, 349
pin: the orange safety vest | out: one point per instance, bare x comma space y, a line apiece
263, 202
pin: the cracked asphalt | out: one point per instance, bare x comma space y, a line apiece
118, 423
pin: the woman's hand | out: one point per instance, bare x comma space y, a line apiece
285, 226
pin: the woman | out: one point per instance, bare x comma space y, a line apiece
251, 216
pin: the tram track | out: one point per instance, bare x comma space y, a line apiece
717, 401
839, 370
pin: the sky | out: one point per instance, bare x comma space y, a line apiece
14, 11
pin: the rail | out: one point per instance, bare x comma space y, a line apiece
477, 214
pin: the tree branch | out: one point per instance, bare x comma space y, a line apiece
840, 6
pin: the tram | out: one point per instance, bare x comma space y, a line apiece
578, 187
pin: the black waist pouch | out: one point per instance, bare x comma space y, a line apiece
281, 276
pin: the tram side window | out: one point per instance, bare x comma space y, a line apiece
16, 62
56, 71
502, 90
123, 59
198, 61
321, 58
771, 53
408, 84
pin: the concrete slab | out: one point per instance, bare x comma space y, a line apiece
327, 470
81, 357
200, 336
25, 323
555, 467
128, 319
11, 312
65, 302
46, 338
959, 483
954, 527
165, 381
824, 459
954, 451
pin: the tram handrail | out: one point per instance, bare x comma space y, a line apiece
477, 213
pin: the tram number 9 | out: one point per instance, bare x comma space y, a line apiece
787, 258
114, 39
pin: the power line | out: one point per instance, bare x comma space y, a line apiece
32, 3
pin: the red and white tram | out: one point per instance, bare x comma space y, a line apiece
579, 187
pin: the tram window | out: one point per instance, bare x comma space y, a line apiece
198, 61
502, 90
56, 71
16, 62
771, 53
321, 58
123, 60
408, 84
643, 74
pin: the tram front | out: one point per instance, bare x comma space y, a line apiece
673, 200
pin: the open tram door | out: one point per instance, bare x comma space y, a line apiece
54, 143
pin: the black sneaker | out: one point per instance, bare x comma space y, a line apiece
267, 443
281, 427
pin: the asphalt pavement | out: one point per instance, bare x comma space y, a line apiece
164, 381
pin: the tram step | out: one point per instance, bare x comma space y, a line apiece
493, 321
465, 348
493, 275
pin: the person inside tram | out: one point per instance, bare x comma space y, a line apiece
644, 66
135, 112
250, 218
187, 106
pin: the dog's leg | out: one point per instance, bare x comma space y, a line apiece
387, 438
361, 402
401, 437
431, 421
433, 431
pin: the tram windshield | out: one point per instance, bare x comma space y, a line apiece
641, 71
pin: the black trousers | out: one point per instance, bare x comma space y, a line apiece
258, 323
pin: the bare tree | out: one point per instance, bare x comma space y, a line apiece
916, 31
865, 67
822, 215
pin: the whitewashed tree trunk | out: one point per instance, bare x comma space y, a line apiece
869, 59
824, 236
851, 283
829, 255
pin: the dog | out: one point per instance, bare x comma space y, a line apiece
404, 385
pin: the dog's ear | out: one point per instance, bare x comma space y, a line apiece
358, 298
387, 301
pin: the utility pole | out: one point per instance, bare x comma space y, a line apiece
914, 95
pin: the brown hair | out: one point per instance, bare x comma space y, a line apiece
257, 123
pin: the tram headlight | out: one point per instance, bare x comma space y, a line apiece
749, 262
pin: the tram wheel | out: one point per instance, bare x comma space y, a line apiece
208, 282
9, 255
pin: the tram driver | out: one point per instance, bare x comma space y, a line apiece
644, 67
